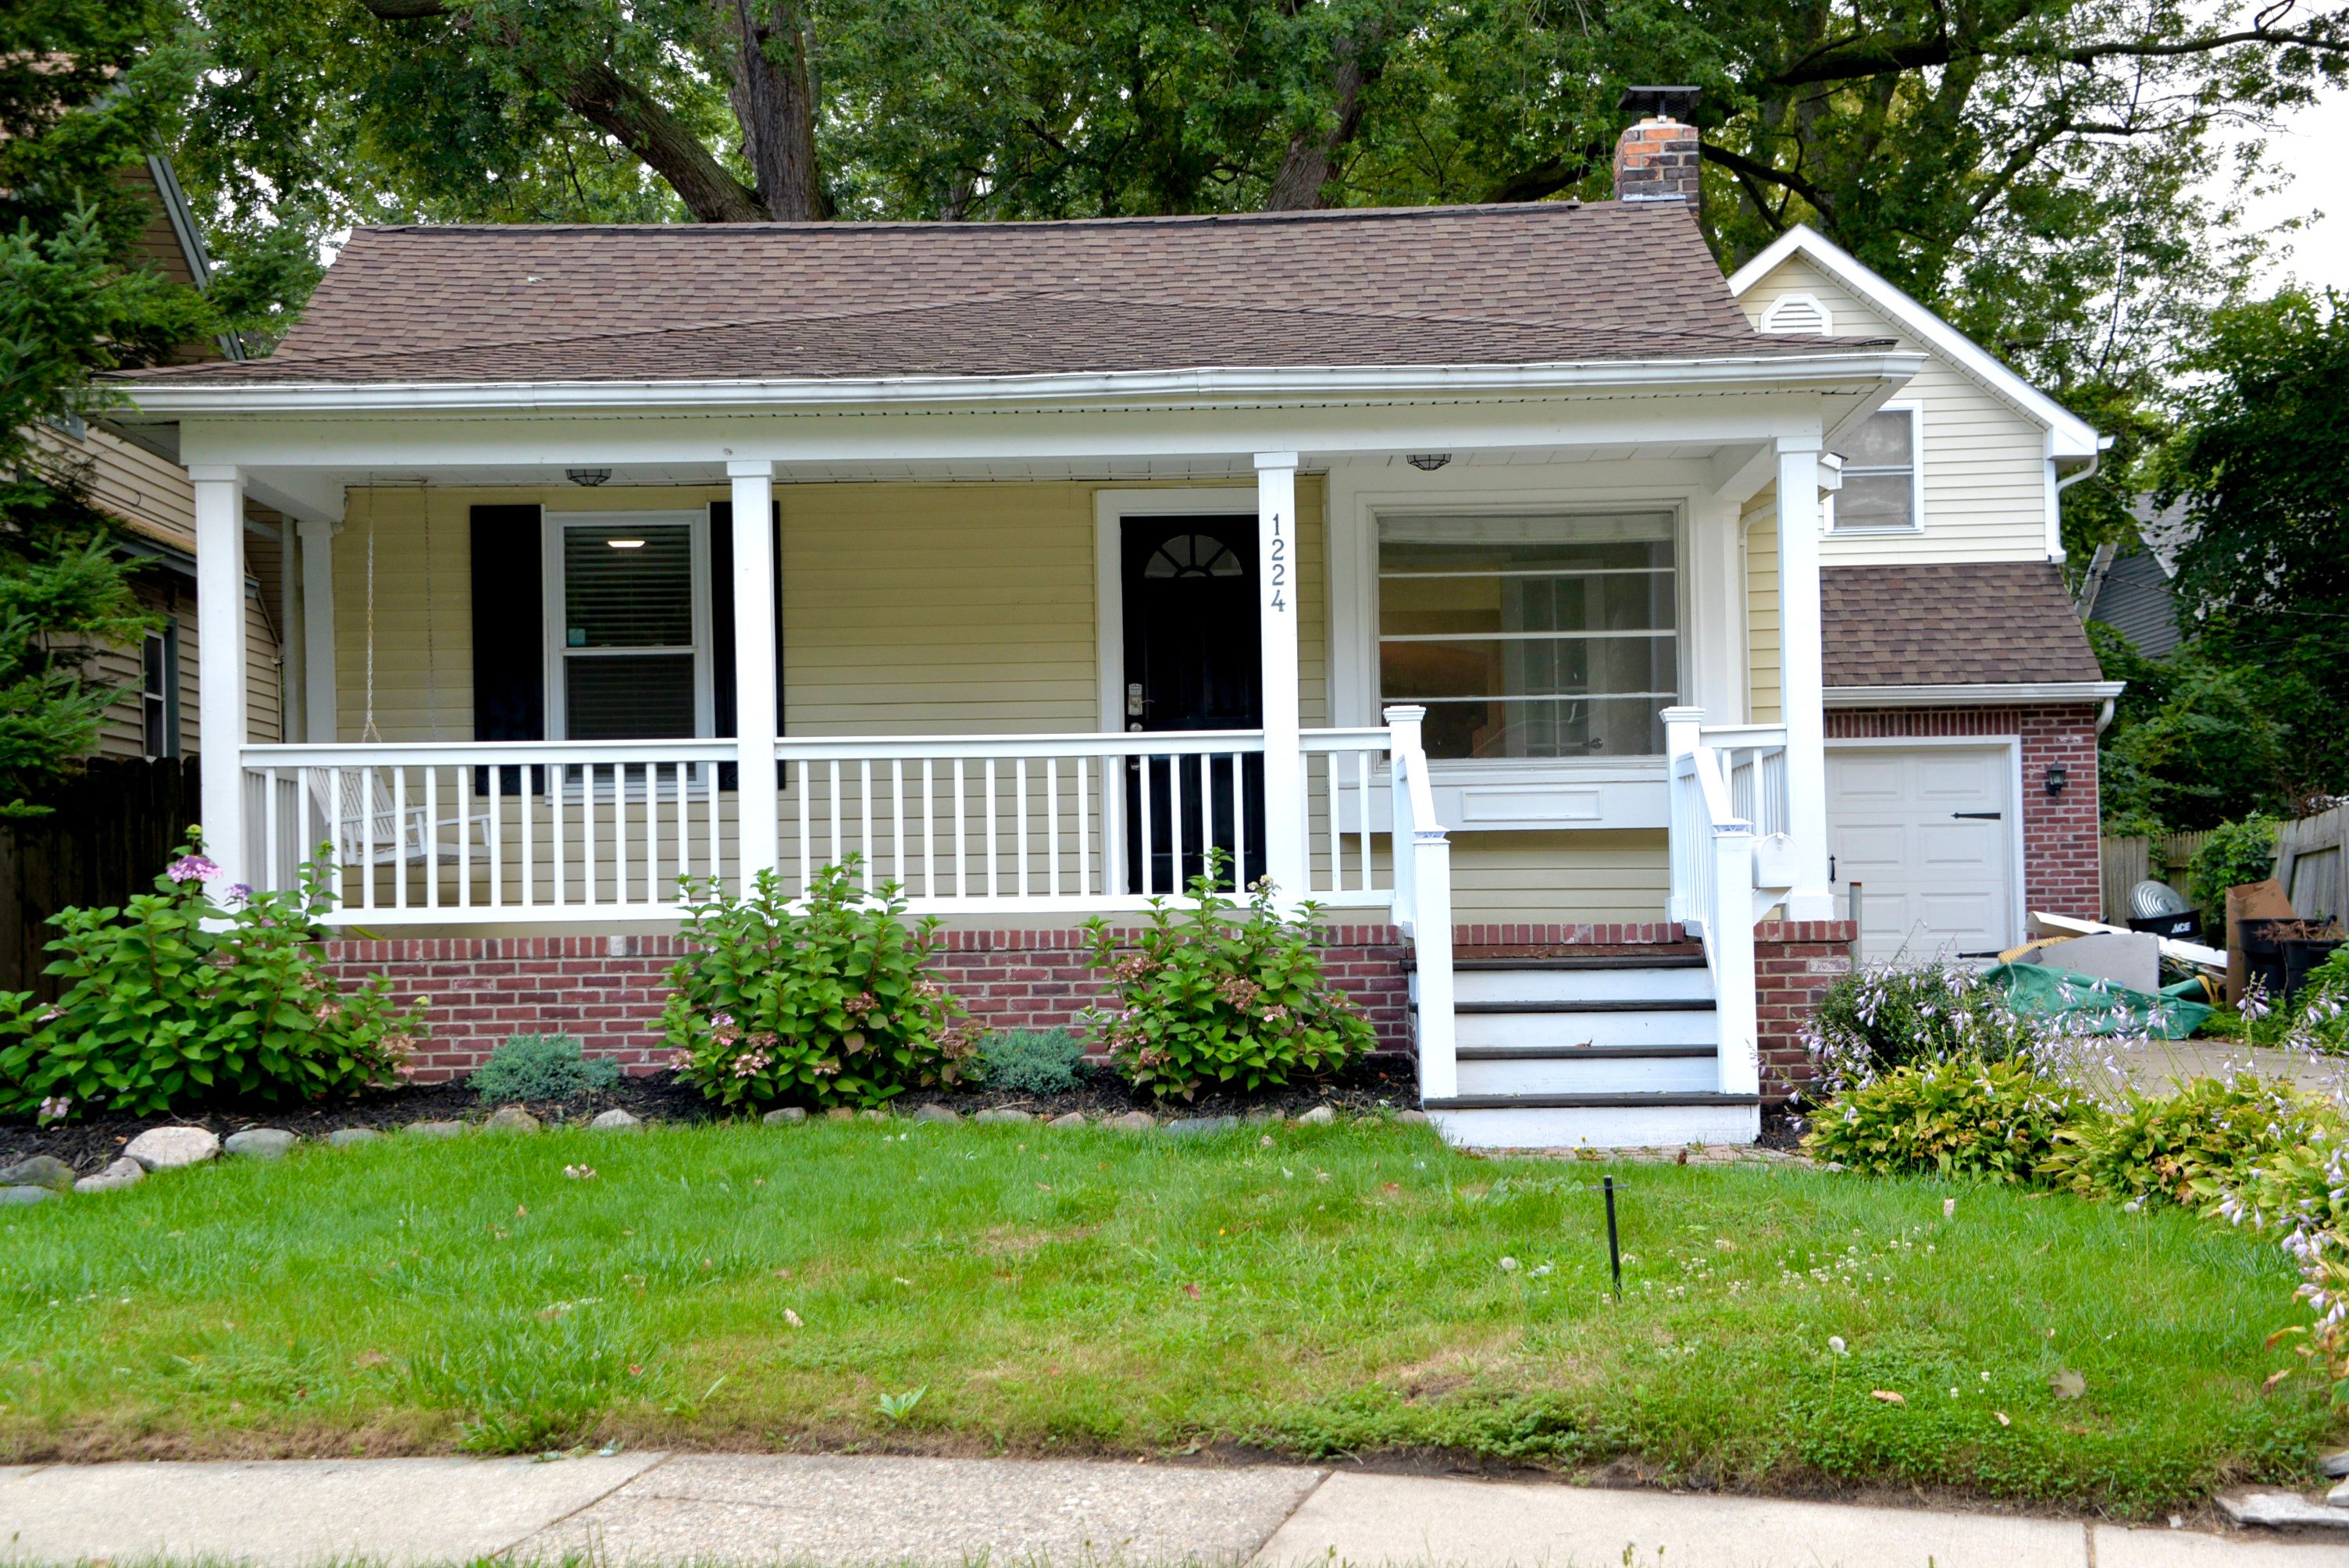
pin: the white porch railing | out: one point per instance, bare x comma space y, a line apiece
1422, 904
1714, 889
555, 831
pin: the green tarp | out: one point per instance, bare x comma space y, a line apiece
2100, 1006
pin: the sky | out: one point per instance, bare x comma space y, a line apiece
2313, 146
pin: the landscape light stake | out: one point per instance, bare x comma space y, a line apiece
1614, 1251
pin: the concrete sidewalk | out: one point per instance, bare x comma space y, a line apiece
700, 1508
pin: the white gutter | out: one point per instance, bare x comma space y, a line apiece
1986, 693
1302, 384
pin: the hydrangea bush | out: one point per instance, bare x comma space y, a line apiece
175, 999
1228, 996
818, 1001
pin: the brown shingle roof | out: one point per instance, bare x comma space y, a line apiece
1951, 624
1512, 285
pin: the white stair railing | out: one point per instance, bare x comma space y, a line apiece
1422, 903
1712, 891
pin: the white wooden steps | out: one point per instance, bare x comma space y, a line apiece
1609, 1050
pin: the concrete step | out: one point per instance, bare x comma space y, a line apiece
1486, 1071
1525, 981
1597, 1121
1556, 1027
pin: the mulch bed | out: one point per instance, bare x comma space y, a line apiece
91, 1144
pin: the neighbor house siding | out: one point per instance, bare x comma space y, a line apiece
1985, 463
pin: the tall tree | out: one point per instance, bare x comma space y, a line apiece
86, 88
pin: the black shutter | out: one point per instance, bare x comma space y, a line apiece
721, 625
508, 642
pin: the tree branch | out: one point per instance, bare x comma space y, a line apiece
1753, 172
1305, 168
1843, 62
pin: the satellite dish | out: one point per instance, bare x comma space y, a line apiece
2154, 900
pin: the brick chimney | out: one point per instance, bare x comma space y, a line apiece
1655, 159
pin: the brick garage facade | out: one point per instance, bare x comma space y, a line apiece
1793, 963
609, 990
2062, 854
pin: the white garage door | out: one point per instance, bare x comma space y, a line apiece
1926, 830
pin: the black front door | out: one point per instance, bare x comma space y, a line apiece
1192, 661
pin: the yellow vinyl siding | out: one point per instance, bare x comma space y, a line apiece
1563, 877
1761, 641
1985, 463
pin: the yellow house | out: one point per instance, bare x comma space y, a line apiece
1457, 569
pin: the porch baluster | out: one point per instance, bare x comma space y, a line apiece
1019, 824
1053, 825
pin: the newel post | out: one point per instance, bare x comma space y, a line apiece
1683, 730
754, 667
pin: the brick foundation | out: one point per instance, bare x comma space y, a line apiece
2063, 870
1793, 963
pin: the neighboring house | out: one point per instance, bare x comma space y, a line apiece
156, 716
1962, 701
2131, 593
1478, 573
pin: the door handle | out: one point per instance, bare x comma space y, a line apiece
1979, 815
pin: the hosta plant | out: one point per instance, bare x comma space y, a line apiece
814, 1001
1227, 996
1958, 1118
2176, 1147
175, 999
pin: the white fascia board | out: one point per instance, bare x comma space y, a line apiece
1177, 388
1961, 696
2073, 438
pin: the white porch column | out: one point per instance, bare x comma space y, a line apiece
754, 665
1802, 676
319, 723
220, 664
1278, 586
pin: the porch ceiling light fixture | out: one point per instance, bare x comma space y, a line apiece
626, 544
591, 478
1427, 462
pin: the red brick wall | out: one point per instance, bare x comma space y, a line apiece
2061, 854
608, 990
1793, 963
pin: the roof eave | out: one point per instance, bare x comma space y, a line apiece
1205, 385
1956, 694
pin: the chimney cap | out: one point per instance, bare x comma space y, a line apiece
1663, 103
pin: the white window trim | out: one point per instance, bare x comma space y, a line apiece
552, 611
1112, 506
1784, 303
1916, 412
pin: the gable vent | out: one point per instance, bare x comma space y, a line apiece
1799, 312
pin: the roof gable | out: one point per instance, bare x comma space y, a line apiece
2073, 437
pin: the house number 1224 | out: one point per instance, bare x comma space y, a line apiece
1280, 566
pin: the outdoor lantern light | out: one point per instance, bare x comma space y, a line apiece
2055, 777
591, 478
1428, 462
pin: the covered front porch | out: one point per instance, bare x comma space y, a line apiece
1469, 670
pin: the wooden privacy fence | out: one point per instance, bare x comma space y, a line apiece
110, 830
2310, 854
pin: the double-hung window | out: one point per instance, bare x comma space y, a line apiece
1543, 636
159, 691
628, 626
1881, 492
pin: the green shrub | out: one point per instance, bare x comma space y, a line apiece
1958, 1118
814, 1001
2234, 854
1874, 1021
173, 1000
1033, 1061
1228, 996
2320, 1016
541, 1066
2212, 1133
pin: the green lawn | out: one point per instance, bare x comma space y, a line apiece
1340, 1291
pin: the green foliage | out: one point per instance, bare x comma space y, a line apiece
1229, 998
2234, 854
1873, 1021
541, 1068
1955, 1118
2198, 738
1032, 1061
175, 1001
816, 1001
2181, 1148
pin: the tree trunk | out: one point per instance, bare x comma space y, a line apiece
1305, 168
774, 100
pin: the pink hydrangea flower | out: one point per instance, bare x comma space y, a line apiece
191, 868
